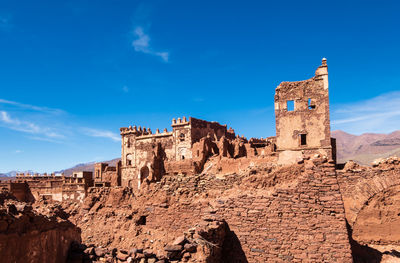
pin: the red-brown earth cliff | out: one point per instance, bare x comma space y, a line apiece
26, 235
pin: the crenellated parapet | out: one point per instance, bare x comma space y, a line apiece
139, 132
57, 187
37, 175
180, 122
258, 140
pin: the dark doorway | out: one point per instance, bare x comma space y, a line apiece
303, 139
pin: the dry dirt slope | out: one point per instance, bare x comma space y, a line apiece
366, 147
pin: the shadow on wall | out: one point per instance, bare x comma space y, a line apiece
232, 251
29, 196
393, 253
362, 253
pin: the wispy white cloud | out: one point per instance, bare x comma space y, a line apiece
5, 117
46, 139
101, 133
45, 124
142, 44
26, 126
31, 107
18, 151
380, 114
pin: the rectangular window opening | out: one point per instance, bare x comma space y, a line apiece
290, 105
311, 104
303, 139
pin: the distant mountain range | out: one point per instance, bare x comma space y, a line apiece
362, 148
87, 167
14, 173
366, 147
77, 168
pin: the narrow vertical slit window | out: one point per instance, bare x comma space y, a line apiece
303, 139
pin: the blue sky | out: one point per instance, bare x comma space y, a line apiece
73, 72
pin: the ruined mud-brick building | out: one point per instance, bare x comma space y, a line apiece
302, 129
107, 175
31, 187
149, 156
184, 150
302, 118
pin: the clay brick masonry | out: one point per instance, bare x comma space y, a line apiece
302, 117
299, 222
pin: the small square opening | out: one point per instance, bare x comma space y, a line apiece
303, 139
311, 104
290, 105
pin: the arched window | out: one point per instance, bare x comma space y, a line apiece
129, 160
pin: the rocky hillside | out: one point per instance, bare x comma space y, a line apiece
366, 147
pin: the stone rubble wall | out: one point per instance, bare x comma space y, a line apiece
371, 198
275, 214
298, 222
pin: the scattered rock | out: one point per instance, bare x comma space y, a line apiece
148, 253
89, 251
99, 251
180, 240
173, 248
122, 256
191, 248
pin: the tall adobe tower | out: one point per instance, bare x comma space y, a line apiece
302, 118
